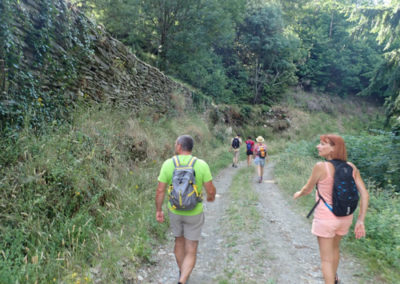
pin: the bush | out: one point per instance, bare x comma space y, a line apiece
82, 194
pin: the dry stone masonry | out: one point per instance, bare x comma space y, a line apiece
63, 50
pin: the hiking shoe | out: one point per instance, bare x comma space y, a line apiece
260, 180
233, 165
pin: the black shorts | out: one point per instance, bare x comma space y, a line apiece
249, 152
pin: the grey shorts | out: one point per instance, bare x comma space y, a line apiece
186, 226
259, 161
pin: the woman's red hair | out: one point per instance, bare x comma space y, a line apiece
339, 147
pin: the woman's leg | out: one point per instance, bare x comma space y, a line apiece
329, 253
336, 248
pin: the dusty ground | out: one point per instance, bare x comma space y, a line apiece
280, 250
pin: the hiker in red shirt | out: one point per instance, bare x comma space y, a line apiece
250, 149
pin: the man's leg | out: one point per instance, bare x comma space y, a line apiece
236, 157
189, 259
179, 251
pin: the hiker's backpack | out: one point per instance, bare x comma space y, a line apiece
235, 143
183, 193
345, 194
248, 146
262, 152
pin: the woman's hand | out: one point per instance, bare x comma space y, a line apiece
297, 194
359, 230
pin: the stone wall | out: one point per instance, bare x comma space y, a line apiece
103, 68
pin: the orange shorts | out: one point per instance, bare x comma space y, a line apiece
328, 228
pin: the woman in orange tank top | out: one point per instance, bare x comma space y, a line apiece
329, 228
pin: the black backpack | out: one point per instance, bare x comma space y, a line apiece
235, 143
345, 194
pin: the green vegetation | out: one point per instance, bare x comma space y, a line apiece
78, 181
22, 77
241, 216
239, 51
82, 194
373, 154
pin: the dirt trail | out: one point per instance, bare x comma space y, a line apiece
281, 250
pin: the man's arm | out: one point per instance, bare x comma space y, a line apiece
160, 194
211, 190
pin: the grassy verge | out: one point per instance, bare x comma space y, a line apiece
241, 216
380, 250
78, 202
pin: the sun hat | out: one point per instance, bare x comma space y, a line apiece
260, 139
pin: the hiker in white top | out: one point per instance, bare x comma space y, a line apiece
236, 142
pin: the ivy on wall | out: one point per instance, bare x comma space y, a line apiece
43, 46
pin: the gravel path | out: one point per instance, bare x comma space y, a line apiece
281, 249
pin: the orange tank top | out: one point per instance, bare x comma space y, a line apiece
325, 188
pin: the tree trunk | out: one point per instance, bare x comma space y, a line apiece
331, 26
256, 83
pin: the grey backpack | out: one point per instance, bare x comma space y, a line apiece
183, 194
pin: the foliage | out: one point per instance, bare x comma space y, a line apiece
376, 155
380, 249
335, 62
82, 193
383, 21
266, 52
24, 75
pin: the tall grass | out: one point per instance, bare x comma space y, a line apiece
78, 202
380, 250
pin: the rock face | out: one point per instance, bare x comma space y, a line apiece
52, 47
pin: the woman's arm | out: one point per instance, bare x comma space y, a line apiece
359, 228
312, 181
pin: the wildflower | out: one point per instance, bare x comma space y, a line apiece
77, 193
131, 172
137, 187
40, 101
74, 275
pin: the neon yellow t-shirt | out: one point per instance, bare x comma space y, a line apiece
203, 174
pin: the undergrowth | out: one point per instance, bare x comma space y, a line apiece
380, 250
78, 202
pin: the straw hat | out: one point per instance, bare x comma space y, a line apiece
260, 139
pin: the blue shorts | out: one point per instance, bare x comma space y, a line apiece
259, 161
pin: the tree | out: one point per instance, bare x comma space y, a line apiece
334, 61
384, 22
266, 52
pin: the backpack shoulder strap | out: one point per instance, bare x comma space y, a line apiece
316, 203
191, 162
175, 159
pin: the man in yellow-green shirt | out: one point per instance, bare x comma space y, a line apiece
185, 225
